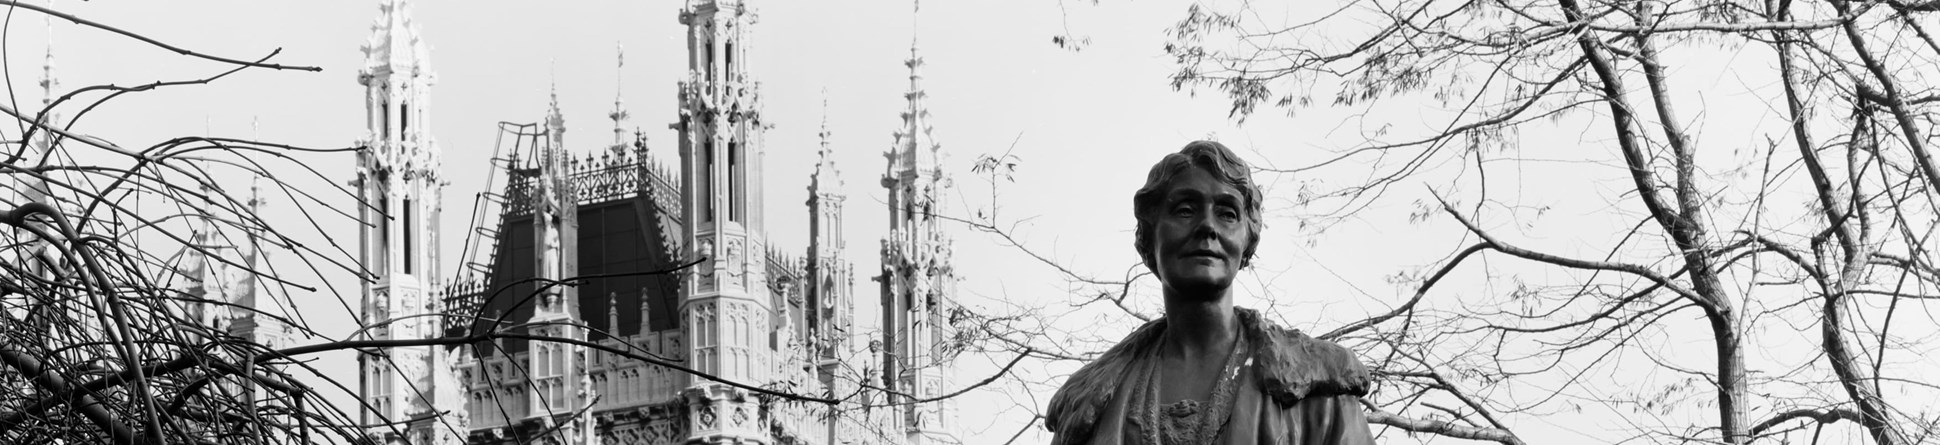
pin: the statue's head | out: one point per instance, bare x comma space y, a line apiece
1201, 201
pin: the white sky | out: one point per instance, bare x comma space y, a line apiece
1085, 124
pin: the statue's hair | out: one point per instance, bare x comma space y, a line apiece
1214, 158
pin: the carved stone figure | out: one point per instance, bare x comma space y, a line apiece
735, 265
706, 268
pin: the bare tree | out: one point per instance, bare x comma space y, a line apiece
111, 333
1711, 228
1712, 232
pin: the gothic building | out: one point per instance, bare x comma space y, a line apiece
642, 302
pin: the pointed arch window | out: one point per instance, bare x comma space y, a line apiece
706, 180
711, 69
381, 385
737, 183
383, 222
384, 119
410, 228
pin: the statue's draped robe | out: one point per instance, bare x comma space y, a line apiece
1296, 390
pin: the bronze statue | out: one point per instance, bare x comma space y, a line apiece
1207, 372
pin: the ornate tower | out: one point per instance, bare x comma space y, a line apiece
830, 286
254, 292
400, 186
726, 309
232, 299
918, 280
254, 299
31, 188
557, 370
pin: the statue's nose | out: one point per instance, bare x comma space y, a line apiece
1203, 224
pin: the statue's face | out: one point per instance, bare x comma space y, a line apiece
1199, 237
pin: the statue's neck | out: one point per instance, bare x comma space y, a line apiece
1199, 329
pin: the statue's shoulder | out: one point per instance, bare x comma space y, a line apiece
1291, 365
1075, 410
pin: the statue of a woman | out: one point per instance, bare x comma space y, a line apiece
1207, 372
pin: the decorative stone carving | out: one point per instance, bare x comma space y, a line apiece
380, 306
705, 269
735, 265
655, 431
707, 416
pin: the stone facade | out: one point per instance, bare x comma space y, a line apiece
398, 179
615, 356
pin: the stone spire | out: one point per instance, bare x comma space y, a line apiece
246, 290
252, 291
829, 283
562, 367
397, 77
555, 158
825, 179
916, 148
394, 44
30, 188
400, 189
918, 278
555, 211
555, 119
204, 277
619, 114
49, 84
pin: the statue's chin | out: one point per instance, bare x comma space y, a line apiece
1199, 288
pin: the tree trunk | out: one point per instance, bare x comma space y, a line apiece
1732, 387
1839, 353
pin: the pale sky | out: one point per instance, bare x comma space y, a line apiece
1086, 125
